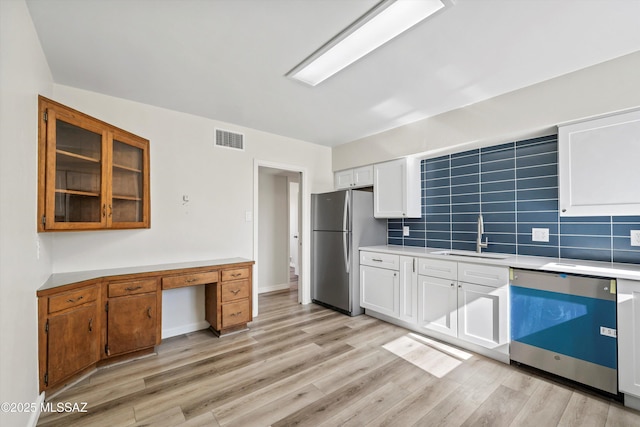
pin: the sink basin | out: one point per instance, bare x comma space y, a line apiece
471, 254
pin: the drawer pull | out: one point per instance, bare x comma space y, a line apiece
132, 288
376, 259
190, 280
236, 314
75, 300
234, 291
149, 312
91, 325
236, 274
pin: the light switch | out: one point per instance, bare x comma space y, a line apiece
540, 234
635, 237
405, 230
248, 216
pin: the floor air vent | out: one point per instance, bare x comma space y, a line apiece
228, 139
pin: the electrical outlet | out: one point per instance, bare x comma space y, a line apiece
635, 237
405, 230
540, 234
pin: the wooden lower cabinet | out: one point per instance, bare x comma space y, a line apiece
106, 318
228, 305
69, 334
133, 316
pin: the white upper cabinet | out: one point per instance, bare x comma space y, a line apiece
353, 178
598, 166
396, 189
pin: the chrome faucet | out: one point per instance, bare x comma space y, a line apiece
479, 243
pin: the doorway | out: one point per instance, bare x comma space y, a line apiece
279, 228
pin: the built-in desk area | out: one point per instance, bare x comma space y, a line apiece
90, 318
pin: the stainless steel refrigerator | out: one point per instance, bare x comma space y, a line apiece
341, 222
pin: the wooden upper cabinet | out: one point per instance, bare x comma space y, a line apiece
91, 175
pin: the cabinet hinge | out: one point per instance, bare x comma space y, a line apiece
46, 327
106, 307
45, 116
44, 220
46, 378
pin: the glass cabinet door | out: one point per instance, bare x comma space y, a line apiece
91, 175
128, 191
74, 179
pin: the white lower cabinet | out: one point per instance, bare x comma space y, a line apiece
438, 305
408, 289
629, 339
474, 312
427, 294
379, 291
380, 283
483, 314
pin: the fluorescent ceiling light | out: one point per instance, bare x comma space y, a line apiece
382, 23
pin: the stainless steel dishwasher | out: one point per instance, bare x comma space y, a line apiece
565, 324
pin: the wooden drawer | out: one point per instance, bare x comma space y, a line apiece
234, 290
235, 274
72, 299
235, 313
118, 289
192, 279
380, 260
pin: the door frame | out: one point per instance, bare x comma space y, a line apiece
304, 280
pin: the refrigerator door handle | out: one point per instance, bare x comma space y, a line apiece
345, 214
345, 234
345, 244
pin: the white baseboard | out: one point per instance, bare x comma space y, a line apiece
35, 415
184, 329
273, 288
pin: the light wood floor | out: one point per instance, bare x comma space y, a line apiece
309, 366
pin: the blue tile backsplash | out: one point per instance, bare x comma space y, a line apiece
515, 187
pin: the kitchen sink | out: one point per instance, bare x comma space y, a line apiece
471, 254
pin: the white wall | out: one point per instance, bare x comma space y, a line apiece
529, 112
273, 231
218, 181
24, 74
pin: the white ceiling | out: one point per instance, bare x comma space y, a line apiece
226, 59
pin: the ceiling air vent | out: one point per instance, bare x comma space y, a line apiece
227, 139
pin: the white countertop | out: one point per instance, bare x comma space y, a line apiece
60, 279
560, 265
